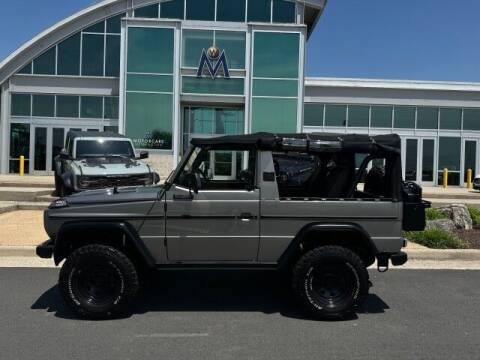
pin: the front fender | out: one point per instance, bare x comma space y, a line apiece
74, 234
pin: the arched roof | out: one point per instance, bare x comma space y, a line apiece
84, 18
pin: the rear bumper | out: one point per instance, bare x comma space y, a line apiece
45, 249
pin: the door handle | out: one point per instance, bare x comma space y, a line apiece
246, 217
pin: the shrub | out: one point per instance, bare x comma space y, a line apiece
434, 214
436, 239
475, 215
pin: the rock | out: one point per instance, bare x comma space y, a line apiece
442, 224
459, 214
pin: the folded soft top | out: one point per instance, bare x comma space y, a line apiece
313, 142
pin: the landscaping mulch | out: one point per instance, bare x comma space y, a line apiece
471, 237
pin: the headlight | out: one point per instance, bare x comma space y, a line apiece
58, 204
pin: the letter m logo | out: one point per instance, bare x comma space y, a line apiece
213, 67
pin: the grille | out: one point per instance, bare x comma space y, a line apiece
100, 182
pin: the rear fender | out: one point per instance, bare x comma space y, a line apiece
349, 235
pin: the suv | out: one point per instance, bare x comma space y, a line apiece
321, 207
94, 160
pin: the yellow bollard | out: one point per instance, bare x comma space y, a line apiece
469, 178
445, 178
22, 166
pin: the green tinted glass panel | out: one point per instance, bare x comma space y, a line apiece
471, 119
283, 88
172, 9
335, 115
20, 141
276, 55
259, 10
234, 45
382, 116
450, 119
45, 64
313, 114
201, 121
470, 158
97, 28
229, 121
21, 105
69, 56
194, 85
284, 11
155, 83
149, 120
274, 115
92, 55
404, 117
427, 118
26, 70
112, 56
411, 159
114, 24
111, 108
449, 156
194, 41
358, 116
150, 11
231, 10
150, 50
43, 105
91, 107
68, 106
201, 10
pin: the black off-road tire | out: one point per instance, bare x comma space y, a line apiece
330, 282
98, 282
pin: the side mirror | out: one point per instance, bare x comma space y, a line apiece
156, 178
143, 155
192, 182
64, 155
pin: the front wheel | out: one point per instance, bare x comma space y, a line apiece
330, 282
98, 282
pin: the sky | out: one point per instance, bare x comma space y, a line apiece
388, 39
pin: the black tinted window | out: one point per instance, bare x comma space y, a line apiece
91, 148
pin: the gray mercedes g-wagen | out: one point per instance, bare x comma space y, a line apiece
322, 207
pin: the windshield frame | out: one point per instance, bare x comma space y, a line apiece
106, 139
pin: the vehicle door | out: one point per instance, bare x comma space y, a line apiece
216, 219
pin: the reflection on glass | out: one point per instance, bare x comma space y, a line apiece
449, 154
411, 160
470, 158
427, 159
57, 143
40, 161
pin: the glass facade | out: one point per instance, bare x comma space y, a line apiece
94, 51
149, 90
64, 106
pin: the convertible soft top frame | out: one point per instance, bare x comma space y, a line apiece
312, 143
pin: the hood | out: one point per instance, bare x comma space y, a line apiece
110, 166
126, 194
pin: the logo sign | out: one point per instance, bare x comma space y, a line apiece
212, 61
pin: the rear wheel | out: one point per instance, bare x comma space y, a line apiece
98, 282
330, 282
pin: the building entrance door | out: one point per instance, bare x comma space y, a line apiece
420, 160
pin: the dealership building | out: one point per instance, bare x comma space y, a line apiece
164, 72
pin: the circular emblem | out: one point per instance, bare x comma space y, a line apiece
213, 52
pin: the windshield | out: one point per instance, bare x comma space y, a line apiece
104, 148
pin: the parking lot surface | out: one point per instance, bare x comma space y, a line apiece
410, 314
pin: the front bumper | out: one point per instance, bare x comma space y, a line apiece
45, 250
